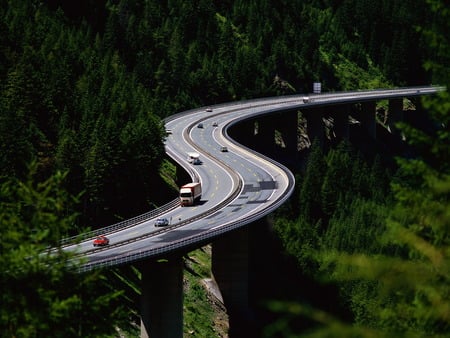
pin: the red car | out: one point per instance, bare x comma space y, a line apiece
101, 240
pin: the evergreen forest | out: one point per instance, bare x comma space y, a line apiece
85, 87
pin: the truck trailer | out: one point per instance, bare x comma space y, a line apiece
190, 193
192, 157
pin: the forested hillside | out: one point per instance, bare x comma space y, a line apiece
376, 235
85, 86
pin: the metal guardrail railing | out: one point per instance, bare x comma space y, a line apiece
205, 236
208, 235
194, 240
123, 224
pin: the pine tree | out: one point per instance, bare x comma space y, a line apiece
404, 290
42, 296
310, 197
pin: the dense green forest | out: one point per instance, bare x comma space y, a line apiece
85, 87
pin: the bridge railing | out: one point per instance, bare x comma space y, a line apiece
135, 220
204, 237
123, 224
193, 240
208, 235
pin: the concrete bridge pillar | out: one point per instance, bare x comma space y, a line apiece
395, 114
314, 125
341, 124
244, 133
287, 125
367, 117
162, 298
266, 134
230, 270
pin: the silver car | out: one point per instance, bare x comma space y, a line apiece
161, 222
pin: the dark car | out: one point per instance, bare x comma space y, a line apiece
101, 241
161, 222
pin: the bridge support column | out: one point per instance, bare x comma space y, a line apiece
314, 125
162, 298
395, 114
230, 269
287, 125
244, 133
341, 125
266, 134
367, 118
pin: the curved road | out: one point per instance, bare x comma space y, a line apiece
239, 186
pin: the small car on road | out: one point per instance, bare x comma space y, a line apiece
223, 149
161, 222
101, 241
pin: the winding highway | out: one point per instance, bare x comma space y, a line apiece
239, 185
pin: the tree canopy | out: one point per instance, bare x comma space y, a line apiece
85, 88
390, 258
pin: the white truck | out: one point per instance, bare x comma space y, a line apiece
190, 193
192, 157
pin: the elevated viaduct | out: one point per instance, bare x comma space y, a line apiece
231, 221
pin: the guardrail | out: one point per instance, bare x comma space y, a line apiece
123, 224
204, 237
208, 235
194, 240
